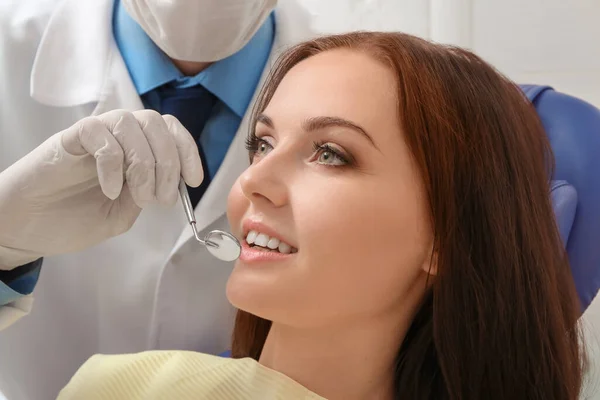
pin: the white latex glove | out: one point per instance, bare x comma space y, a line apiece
89, 183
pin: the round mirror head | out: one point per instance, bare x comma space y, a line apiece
227, 246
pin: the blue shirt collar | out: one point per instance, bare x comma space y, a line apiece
232, 80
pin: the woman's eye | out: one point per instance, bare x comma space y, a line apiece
323, 153
263, 148
329, 156
257, 147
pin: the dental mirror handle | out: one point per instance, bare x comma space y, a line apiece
189, 212
187, 202
222, 245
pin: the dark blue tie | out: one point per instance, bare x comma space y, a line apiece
192, 107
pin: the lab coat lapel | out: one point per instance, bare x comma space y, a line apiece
94, 73
71, 58
118, 90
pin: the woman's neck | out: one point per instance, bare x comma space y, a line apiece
339, 362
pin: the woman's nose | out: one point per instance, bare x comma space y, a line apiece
264, 182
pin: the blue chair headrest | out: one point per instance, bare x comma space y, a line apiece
573, 127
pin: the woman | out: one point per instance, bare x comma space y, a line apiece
403, 186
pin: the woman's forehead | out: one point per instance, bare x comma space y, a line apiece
341, 83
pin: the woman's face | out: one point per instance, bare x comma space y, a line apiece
333, 188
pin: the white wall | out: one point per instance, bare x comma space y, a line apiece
553, 42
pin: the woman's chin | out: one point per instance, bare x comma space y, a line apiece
248, 291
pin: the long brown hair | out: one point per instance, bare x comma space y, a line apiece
500, 319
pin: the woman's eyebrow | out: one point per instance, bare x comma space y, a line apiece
315, 123
263, 118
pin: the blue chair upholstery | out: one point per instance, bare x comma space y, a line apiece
573, 127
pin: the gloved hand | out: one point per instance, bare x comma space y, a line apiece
89, 183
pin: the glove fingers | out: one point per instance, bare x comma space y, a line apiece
124, 212
189, 157
138, 158
162, 145
92, 137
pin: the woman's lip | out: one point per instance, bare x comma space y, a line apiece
253, 255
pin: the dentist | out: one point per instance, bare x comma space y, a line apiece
104, 105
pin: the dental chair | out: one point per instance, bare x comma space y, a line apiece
573, 127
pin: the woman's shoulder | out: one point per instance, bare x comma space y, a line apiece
181, 375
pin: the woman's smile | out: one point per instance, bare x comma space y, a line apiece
261, 243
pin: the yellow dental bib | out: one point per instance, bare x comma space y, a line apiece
180, 375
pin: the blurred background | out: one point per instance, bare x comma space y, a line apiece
552, 42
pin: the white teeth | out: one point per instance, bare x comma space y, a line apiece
273, 243
261, 240
284, 248
251, 237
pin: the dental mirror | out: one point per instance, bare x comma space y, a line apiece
228, 248
220, 244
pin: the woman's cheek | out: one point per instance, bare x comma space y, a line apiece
237, 204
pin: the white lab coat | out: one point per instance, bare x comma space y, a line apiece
153, 287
